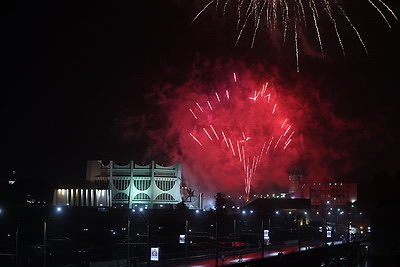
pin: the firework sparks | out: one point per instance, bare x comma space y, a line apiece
248, 142
197, 140
194, 115
215, 133
198, 105
251, 164
288, 16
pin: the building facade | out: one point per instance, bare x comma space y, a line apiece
132, 185
323, 194
82, 197
334, 194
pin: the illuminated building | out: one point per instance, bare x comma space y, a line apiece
323, 194
82, 197
133, 185
332, 194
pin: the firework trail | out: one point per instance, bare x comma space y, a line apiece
245, 146
289, 16
245, 125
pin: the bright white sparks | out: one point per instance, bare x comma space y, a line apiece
292, 16
242, 141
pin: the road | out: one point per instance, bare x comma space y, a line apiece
231, 259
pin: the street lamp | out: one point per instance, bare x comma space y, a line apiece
216, 242
298, 229
186, 237
234, 234
129, 238
58, 210
148, 235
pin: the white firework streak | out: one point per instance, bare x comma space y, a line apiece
285, 15
238, 150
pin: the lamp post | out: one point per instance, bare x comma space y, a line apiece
58, 209
234, 234
262, 239
298, 229
129, 241
16, 247
216, 243
44, 242
148, 236
148, 243
186, 237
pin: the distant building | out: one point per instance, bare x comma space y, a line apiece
82, 197
126, 185
334, 193
133, 185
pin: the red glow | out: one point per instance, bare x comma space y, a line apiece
244, 144
246, 119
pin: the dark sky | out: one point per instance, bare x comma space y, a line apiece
76, 76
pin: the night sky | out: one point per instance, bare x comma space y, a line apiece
103, 80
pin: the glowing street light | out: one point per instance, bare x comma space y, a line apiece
58, 210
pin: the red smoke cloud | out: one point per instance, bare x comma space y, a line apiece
228, 133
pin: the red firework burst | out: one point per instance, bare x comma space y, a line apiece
243, 125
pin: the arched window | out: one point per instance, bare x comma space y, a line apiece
165, 197
120, 196
141, 184
121, 184
141, 196
165, 185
